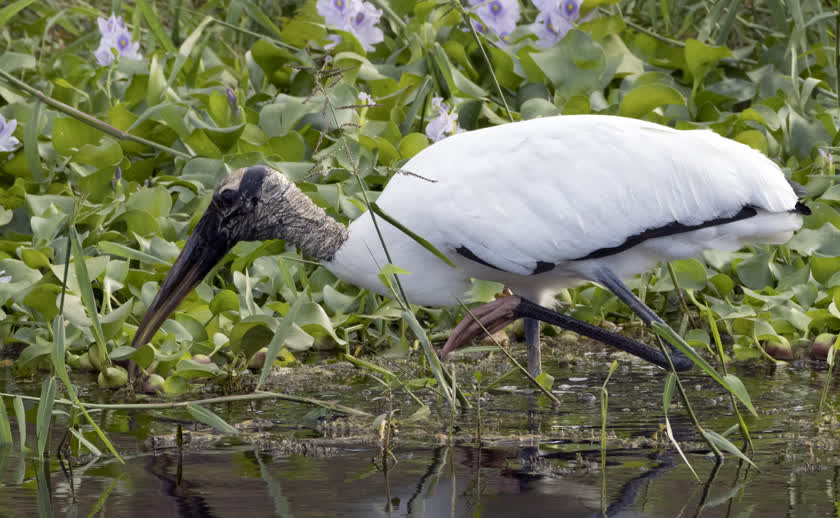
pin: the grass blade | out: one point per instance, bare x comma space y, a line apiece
5, 425
278, 342
57, 357
125, 252
155, 25
724, 444
434, 362
20, 415
86, 443
667, 395
86, 289
209, 418
422, 242
7, 12
669, 335
44, 418
30, 143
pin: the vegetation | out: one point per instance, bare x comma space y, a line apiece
122, 141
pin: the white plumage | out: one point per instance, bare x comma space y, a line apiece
557, 189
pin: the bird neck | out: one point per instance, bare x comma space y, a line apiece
306, 225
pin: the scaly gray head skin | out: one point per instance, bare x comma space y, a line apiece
252, 204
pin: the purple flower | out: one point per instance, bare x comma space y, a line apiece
445, 124
111, 27
365, 98
363, 20
335, 12
231, 97
554, 20
7, 141
500, 16
335, 39
115, 35
356, 16
829, 159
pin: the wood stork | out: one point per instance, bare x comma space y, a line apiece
538, 206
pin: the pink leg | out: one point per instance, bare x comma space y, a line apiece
493, 315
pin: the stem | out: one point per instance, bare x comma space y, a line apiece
386, 8
486, 58
257, 395
684, 398
90, 120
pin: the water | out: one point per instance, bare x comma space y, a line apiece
536, 460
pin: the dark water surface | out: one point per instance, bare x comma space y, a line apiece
537, 460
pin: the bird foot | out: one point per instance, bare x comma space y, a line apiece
493, 316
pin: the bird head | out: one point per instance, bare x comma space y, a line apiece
243, 208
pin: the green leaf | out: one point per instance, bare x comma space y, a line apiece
575, 66
700, 58
545, 379
207, 417
455, 79
189, 369
737, 387
70, 135
641, 100
175, 386
124, 352
538, 107
753, 138
225, 300
412, 144
755, 272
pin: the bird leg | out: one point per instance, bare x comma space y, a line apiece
532, 341
501, 312
493, 316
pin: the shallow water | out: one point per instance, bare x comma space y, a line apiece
536, 460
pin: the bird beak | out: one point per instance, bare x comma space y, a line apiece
206, 247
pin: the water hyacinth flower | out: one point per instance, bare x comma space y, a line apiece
828, 157
355, 16
363, 24
335, 39
555, 19
335, 12
445, 124
115, 35
7, 141
366, 98
232, 101
499, 16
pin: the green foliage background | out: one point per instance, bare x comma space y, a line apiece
764, 73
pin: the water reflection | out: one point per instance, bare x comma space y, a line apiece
537, 461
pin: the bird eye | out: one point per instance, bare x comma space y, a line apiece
226, 199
